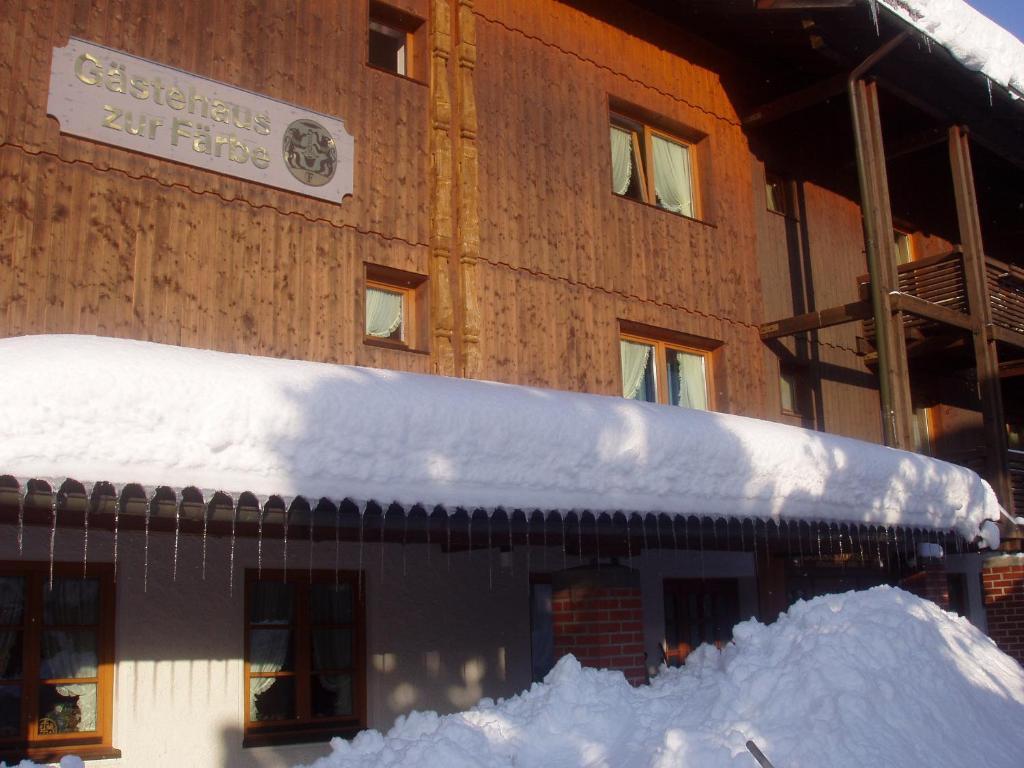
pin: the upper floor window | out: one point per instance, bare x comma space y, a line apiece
921, 429
392, 39
904, 242
653, 167
56, 661
304, 667
776, 194
660, 372
395, 309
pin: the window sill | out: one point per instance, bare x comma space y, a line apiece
392, 72
255, 739
398, 346
651, 206
54, 754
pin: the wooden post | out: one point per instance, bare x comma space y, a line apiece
468, 194
442, 319
985, 352
894, 378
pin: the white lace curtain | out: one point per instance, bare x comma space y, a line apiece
332, 649
634, 359
672, 179
689, 379
622, 160
72, 653
268, 648
383, 312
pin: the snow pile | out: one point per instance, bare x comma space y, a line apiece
98, 409
68, 761
973, 39
877, 678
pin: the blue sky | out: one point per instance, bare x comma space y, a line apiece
1009, 13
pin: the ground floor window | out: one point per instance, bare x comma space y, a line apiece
698, 611
304, 657
56, 660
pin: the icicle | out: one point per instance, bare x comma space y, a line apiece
117, 515
405, 538
312, 524
766, 542
145, 542
21, 519
337, 540
643, 532
448, 533
490, 552
430, 525
657, 530
579, 534
839, 531
874, 15
284, 554
700, 544
743, 543
206, 523
629, 546
85, 536
860, 543
927, 43
562, 515
231, 558
383, 525
817, 530
597, 537
988, 83
686, 532
544, 540
177, 535
714, 533
469, 532
675, 536
800, 541
53, 531
527, 518
260, 514
511, 558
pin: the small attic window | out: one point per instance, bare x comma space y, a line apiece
392, 38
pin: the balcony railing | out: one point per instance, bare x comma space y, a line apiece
1016, 461
1006, 294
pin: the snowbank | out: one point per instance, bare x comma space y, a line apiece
98, 409
877, 678
973, 39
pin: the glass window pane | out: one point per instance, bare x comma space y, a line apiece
330, 604
72, 601
10, 710
384, 313
687, 380
10, 655
12, 600
673, 184
387, 48
332, 649
775, 192
272, 602
332, 695
271, 698
270, 650
788, 391
68, 654
638, 381
904, 247
67, 708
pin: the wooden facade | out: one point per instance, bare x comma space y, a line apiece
486, 173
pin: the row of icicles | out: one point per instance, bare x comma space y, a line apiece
885, 543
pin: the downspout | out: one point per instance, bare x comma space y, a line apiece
871, 238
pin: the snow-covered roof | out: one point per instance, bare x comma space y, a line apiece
972, 38
100, 409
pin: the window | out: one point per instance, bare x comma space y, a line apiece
794, 389
776, 194
904, 246
657, 371
394, 308
392, 40
651, 166
56, 661
304, 658
921, 429
698, 611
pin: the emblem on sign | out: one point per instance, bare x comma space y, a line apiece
309, 152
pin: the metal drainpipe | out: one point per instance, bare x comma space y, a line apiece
871, 238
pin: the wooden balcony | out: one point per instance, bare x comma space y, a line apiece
1006, 294
1016, 462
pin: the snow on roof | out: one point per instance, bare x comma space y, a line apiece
100, 409
972, 38
875, 678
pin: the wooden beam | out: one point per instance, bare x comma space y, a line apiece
904, 302
1011, 369
1005, 335
814, 321
796, 102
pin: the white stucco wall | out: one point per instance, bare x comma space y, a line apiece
435, 640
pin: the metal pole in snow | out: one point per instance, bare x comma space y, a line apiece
763, 761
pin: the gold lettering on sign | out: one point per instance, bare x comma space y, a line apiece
113, 113
87, 69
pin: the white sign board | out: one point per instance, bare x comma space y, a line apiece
108, 96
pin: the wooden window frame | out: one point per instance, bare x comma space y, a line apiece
777, 179
642, 135
415, 318
661, 350
901, 232
304, 728
726, 589
403, 23
50, 748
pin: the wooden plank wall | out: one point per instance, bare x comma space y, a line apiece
562, 258
100, 240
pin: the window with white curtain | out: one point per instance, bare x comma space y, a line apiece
651, 166
304, 668
56, 639
659, 372
385, 312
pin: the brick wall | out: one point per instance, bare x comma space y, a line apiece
1003, 584
600, 623
929, 582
